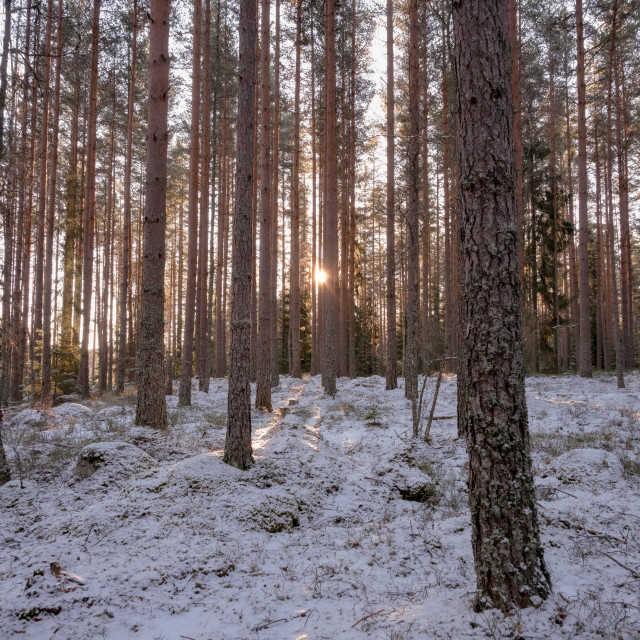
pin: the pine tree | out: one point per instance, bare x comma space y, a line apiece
151, 409
492, 410
237, 450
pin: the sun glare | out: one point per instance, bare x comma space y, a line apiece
321, 275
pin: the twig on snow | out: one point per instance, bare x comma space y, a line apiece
370, 615
634, 573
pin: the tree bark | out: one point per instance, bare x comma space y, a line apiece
51, 213
194, 183
491, 395
201, 302
584, 361
392, 350
126, 223
413, 234
41, 215
294, 317
263, 392
151, 409
237, 451
89, 212
331, 207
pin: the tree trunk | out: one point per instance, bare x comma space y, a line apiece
89, 213
275, 369
413, 233
331, 207
43, 154
126, 223
584, 360
392, 350
22, 247
613, 284
294, 317
51, 213
6, 352
263, 391
152, 408
352, 200
237, 450
201, 307
491, 395
315, 254
194, 183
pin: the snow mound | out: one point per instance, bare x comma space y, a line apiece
71, 411
29, 418
588, 467
204, 468
111, 412
112, 461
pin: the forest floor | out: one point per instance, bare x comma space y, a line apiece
323, 538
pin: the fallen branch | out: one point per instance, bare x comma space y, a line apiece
433, 404
268, 623
634, 573
370, 615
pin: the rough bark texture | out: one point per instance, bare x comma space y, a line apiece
184, 396
295, 216
584, 359
330, 335
126, 223
413, 234
237, 449
152, 407
491, 397
89, 213
392, 351
263, 392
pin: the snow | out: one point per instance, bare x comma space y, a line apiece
315, 541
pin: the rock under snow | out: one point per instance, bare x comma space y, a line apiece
112, 461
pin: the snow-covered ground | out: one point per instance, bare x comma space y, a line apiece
165, 541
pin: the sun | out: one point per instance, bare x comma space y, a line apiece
321, 275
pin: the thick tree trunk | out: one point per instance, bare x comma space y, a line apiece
237, 450
584, 360
89, 212
194, 183
263, 392
152, 407
491, 395
392, 350
331, 207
